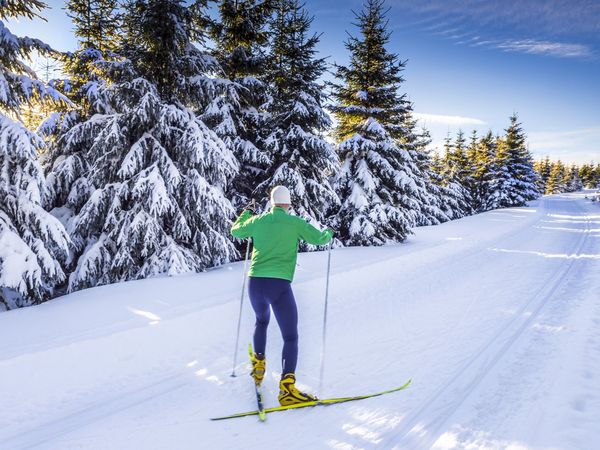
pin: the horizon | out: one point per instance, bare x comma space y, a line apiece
469, 65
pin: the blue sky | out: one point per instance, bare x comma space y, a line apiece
471, 63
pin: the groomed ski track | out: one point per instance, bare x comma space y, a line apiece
495, 317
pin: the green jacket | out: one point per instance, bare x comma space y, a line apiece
275, 236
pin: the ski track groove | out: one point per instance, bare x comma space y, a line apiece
93, 413
432, 426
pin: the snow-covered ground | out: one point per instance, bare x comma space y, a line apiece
495, 317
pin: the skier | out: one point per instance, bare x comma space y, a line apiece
275, 235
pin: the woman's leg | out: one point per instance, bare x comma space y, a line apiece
262, 311
286, 313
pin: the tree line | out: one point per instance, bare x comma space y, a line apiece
556, 177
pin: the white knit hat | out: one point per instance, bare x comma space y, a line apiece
280, 195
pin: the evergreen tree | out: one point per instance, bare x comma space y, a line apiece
461, 168
573, 182
152, 201
437, 203
517, 180
33, 244
302, 160
556, 182
543, 170
96, 26
449, 200
237, 114
452, 169
585, 172
376, 184
486, 173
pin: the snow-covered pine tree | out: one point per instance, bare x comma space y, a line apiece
556, 182
96, 25
376, 185
472, 165
237, 114
454, 163
452, 202
520, 179
486, 173
573, 181
301, 158
156, 202
437, 203
543, 167
33, 244
589, 176
458, 167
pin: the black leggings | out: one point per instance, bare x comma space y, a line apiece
276, 293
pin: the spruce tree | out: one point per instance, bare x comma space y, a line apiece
515, 181
584, 173
556, 182
96, 27
460, 169
543, 171
452, 167
301, 158
376, 184
33, 244
437, 202
155, 200
237, 114
486, 173
519, 178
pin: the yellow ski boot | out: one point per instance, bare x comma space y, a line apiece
289, 395
259, 364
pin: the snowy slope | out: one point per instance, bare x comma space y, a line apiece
495, 317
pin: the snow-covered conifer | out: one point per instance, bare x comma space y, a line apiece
237, 113
556, 181
543, 167
573, 181
454, 164
376, 184
436, 203
33, 244
154, 189
517, 179
301, 158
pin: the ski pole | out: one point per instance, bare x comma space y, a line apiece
237, 338
325, 320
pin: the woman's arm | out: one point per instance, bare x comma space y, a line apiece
242, 227
313, 235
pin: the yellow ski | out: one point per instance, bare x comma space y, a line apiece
324, 402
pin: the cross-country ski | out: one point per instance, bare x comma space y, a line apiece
322, 402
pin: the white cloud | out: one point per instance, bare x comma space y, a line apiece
560, 49
560, 139
426, 118
581, 145
552, 17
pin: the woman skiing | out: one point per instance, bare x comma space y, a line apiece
275, 236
